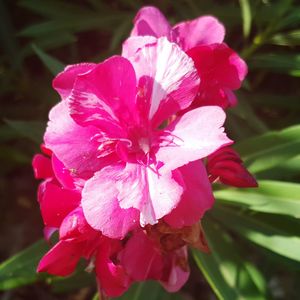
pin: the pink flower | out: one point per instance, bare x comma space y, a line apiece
107, 132
221, 70
226, 166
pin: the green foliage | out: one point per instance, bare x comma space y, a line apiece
20, 269
253, 234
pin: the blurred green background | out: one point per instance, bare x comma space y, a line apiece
254, 234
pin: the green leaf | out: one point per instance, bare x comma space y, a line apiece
246, 15
20, 269
230, 276
270, 197
53, 64
271, 149
278, 63
148, 290
269, 235
291, 38
30, 129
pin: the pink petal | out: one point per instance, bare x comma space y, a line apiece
62, 259
152, 194
196, 199
64, 81
71, 143
134, 43
174, 275
105, 96
226, 165
112, 278
48, 232
201, 31
101, 207
75, 225
141, 258
150, 21
56, 202
193, 136
167, 79
42, 167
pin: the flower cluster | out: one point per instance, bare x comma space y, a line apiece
132, 149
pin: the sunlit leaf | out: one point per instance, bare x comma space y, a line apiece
230, 276
20, 269
270, 197
246, 15
259, 231
268, 150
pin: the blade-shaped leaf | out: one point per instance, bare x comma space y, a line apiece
20, 269
53, 64
268, 150
246, 15
259, 231
270, 197
230, 276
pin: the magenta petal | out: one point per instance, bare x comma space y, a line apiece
176, 277
167, 79
105, 96
150, 21
141, 259
201, 31
71, 143
196, 199
42, 167
75, 225
193, 136
56, 202
134, 43
62, 259
112, 277
153, 194
101, 207
64, 81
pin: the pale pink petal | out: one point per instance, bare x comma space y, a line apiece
56, 202
134, 43
105, 96
64, 81
174, 275
101, 206
201, 31
167, 79
75, 225
150, 21
141, 258
193, 136
72, 144
62, 259
196, 199
42, 167
152, 194
48, 232
111, 277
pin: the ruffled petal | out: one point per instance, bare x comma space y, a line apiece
62, 259
176, 270
196, 199
204, 30
193, 136
141, 258
72, 144
101, 206
150, 21
64, 81
56, 202
167, 79
112, 278
105, 96
42, 167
